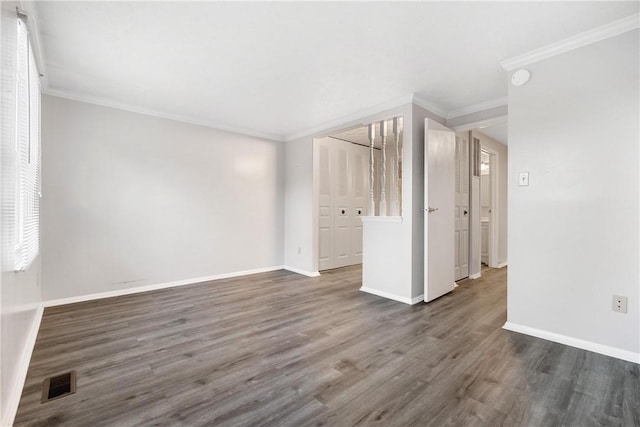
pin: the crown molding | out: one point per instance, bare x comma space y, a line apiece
595, 35
427, 105
353, 117
480, 123
360, 114
314, 131
475, 108
159, 114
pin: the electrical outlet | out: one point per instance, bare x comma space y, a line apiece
619, 304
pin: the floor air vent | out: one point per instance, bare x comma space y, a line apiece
59, 386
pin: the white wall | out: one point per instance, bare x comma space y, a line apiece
574, 231
388, 261
131, 200
502, 177
300, 248
19, 291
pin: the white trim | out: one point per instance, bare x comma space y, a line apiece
455, 285
147, 288
388, 219
618, 353
494, 176
301, 271
475, 276
388, 295
429, 106
314, 131
13, 400
502, 264
480, 123
476, 108
160, 114
592, 36
358, 115
418, 299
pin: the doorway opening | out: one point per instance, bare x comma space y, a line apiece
481, 184
488, 198
345, 163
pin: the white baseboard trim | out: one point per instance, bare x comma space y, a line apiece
416, 300
618, 353
303, 272
501, 264
13, 400
155, 287
390, 295
475, 276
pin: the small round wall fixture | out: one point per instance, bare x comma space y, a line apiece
520, 77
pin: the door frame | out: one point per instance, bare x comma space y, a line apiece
493, 223
475, 270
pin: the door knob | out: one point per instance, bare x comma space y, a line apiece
429, 210
465, 212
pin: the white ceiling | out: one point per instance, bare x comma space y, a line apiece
277, 69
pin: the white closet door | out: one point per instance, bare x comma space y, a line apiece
343, 195
462, 209
326, 217
342, 205
359, 198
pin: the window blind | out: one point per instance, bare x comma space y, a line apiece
27, 153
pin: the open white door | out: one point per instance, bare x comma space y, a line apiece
439, 211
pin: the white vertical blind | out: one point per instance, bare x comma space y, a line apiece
27, 153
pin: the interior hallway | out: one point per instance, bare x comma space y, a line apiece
282, 349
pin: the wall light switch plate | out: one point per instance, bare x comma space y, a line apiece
523, 179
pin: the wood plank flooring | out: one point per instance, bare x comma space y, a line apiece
282, 349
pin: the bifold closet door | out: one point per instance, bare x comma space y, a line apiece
325, 198
342, 205
360, 196
343, 194
462, 209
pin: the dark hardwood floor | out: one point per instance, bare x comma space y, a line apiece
282, 349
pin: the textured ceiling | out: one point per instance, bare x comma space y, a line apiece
277, 69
